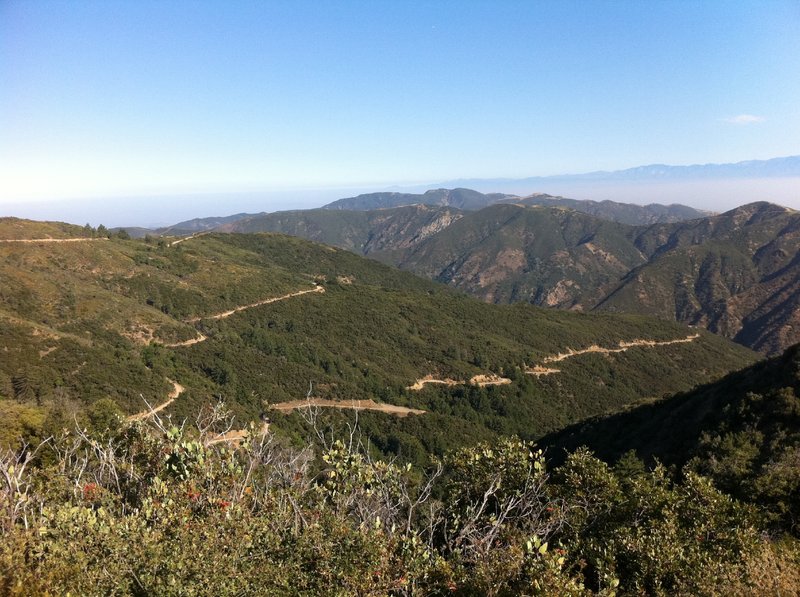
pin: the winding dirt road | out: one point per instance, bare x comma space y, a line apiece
420, 383
177, 390
400, 411
622, 346
475, 380
539, 370
225, 314
180, 240
200, 338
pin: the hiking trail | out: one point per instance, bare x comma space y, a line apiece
191, 236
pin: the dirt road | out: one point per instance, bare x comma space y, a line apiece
538, 370
50, 240
475, 380
177, 390
200, 338
180, 240
400, 411
225, 314
622, 346
420, 383
489, 380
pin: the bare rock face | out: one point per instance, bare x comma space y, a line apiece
736, 274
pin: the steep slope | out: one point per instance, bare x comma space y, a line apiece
362, 232
255, 319
743, 431
736, 274
546, 256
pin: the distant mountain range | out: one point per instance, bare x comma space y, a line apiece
459, 198
467, 199
775, 167
462, 199
185, 228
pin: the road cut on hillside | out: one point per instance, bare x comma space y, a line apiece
399, 411
50, 240
475, 380
538, 370
225, 314
180, 240
200, 338
622, 346
177, 390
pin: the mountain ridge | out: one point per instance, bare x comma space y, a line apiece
736, 273
470, 200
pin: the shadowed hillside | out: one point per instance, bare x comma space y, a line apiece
742, 431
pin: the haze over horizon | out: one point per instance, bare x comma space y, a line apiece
141, 113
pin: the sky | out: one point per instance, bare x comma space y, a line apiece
116, 101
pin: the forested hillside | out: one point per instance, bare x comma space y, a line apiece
256, 320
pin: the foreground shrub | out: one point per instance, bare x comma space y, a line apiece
151, 509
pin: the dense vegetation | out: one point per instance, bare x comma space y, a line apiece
743, 432
87, 321
151, 510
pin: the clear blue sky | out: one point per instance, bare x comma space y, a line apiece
104, 98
